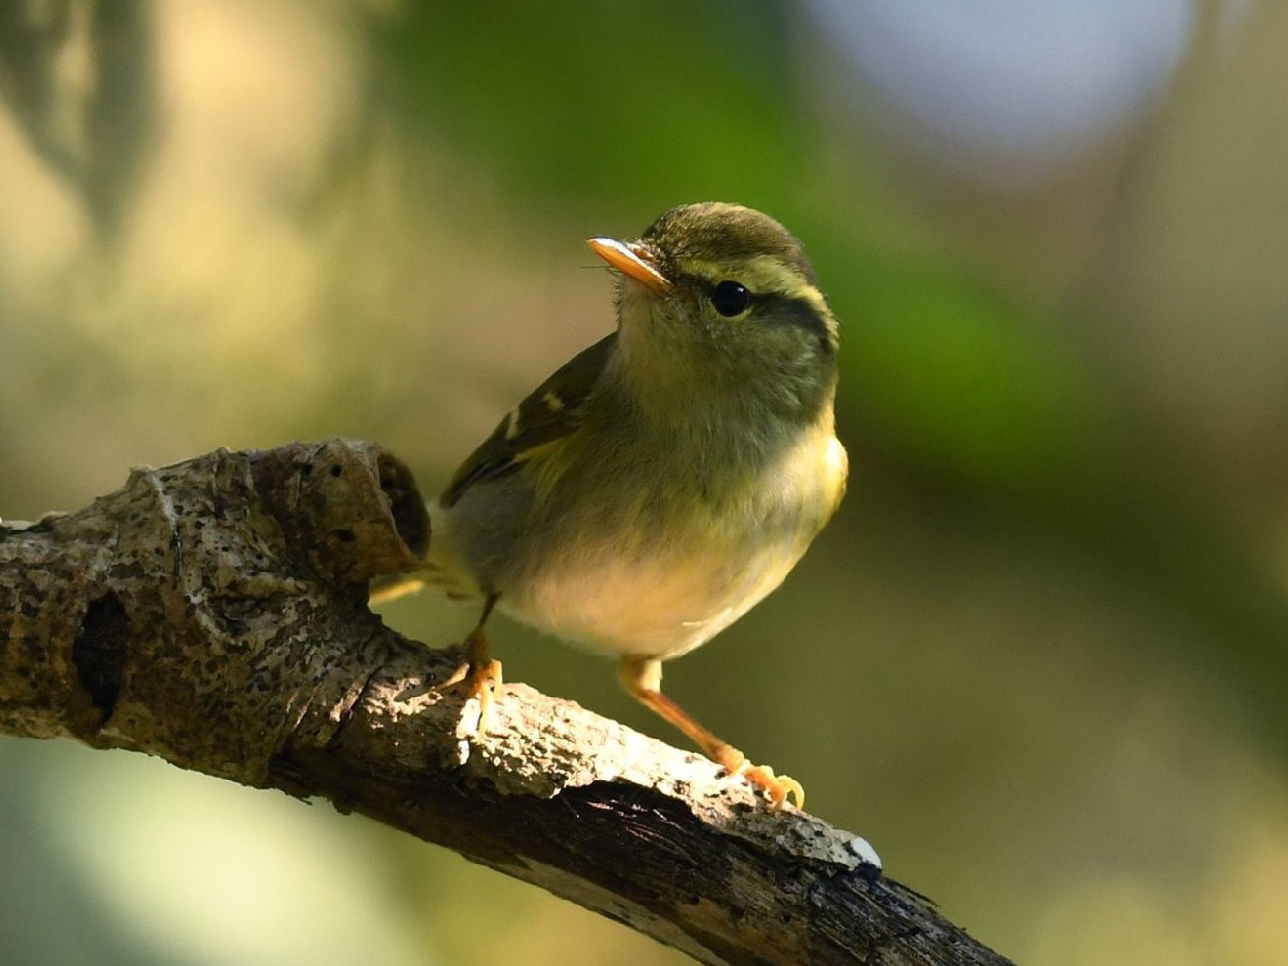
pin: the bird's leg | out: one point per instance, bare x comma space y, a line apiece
642, 679
480, 674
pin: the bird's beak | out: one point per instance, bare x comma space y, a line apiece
631, 261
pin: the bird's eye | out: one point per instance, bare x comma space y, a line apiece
730, 299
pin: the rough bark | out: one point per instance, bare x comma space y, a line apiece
214, 613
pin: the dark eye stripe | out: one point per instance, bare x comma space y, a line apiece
794, 311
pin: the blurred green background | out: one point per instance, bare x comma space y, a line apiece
1040, 659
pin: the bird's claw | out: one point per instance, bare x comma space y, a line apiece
780, 788
480, 681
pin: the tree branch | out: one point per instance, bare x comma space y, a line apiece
214, 613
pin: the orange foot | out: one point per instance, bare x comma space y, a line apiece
481, 680
777, 787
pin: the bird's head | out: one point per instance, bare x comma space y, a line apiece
720, 299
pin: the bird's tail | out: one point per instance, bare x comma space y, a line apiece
442, 569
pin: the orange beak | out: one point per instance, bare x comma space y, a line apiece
627, 260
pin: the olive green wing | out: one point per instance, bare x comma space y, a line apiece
552, 412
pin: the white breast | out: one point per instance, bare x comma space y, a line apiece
670, 599
658, 606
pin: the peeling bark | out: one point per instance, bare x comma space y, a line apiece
214, 613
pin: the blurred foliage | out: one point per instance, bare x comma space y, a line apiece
603, 105
1038, 659
78, 79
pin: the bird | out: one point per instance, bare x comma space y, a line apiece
667, 478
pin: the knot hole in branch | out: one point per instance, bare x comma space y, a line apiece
99, 651
406, 505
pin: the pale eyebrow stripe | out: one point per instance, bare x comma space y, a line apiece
763, 274
768, 278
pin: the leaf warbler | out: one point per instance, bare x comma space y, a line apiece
667, 478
